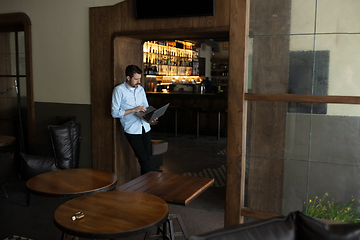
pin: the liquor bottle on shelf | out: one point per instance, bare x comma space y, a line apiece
169, 58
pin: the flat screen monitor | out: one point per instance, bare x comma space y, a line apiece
147, 9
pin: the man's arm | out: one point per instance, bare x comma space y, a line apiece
117, 111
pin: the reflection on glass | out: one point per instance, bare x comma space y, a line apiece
21, 42
302, 155
22, 64
344, 71
319, 60
8, 64
334, 16
8, 97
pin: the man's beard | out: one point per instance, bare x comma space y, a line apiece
135, 85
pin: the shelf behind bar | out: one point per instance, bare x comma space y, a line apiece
302, 98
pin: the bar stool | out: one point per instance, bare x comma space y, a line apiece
218, 112
176, 109
162, 231
198, 111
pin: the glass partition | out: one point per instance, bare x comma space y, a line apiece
295, 157
299, 152
300, 48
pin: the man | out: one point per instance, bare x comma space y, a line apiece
129, 98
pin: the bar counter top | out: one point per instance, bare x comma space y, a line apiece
187, 94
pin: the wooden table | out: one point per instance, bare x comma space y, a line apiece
173, 188
71, 182
6, 140
111, 214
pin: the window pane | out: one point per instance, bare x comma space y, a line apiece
294, 157
335, 16
270, 17
8, 100
23, 94
22, 64
303, 58
7, 54
344, 71
21, 43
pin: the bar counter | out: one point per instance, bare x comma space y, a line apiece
186, 105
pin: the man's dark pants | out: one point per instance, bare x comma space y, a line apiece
141, 144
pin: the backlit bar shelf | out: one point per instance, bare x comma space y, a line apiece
163, 58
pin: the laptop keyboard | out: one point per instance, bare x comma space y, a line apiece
147, 117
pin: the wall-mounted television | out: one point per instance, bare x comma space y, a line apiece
148, 9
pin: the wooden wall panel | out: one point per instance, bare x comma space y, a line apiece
126, 51
102, 83
125, 13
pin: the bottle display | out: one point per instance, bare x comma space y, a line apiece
164, 58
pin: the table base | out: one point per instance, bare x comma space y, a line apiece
168, 227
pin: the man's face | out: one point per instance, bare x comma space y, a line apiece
134, 81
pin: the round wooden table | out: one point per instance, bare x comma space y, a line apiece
71, 182
6, 140
112, 214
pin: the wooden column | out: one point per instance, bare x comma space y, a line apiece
270, 26
102, 83
236, 144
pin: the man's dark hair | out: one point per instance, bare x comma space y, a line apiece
131, 69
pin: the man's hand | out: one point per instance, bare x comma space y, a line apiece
139, 109
154, 121
135, 110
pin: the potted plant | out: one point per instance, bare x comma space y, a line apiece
331, 210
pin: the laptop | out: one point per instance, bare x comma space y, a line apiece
152, 113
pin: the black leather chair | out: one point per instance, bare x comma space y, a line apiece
65, 140
295, 226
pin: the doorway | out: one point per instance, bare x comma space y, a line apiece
16, 84
186, 154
